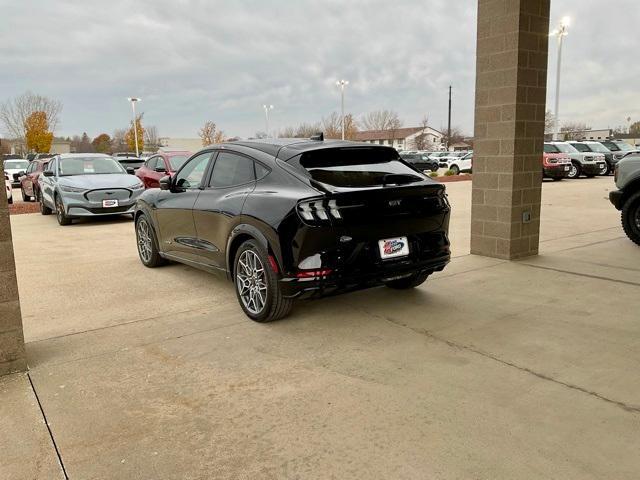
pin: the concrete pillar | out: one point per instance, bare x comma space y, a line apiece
511, 82
12, 353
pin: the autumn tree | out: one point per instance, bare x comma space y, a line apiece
208, 133
38, 138
131, 135
332, 126
102, 143
15, 112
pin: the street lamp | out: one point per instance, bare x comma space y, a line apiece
266, 115
342, 84
561, 32
133, 101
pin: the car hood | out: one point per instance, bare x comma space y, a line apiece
116, 180
11, 171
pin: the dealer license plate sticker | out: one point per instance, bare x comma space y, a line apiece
109, 203
393, 247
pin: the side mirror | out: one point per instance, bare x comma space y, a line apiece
47, 173
21, 174
165, 183
131, 171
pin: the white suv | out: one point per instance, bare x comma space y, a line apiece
7, 183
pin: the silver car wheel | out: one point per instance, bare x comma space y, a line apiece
251, 282
573, 171
145, 245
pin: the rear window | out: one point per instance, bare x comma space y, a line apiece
355, 167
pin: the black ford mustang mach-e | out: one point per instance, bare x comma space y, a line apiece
297, 218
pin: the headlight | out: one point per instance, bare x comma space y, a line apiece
66, 188
137, 186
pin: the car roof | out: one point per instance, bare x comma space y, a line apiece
285, 148
83, 155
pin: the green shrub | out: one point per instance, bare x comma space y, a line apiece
433, 174
449, 173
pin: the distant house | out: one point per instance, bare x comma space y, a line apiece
18, 146
186, 144
402, 138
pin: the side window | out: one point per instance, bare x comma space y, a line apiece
160, 166
191, 174
31, 167
261, 171
151, 163
52, 166
231, 169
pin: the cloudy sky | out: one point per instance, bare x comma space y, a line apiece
197, 60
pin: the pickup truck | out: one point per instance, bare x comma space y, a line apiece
627, 196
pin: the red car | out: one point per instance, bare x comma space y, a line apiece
159, 165
555, 165
29, 181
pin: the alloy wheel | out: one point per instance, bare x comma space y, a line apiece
573, 171
145, 240
604, 170
251, 282
59, 210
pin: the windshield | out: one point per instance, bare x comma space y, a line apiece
177, 161
581, 147
565, 148
623, 146
548, 148
355, 167
16, 164
596, 147
89, 166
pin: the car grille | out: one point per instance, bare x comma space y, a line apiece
120, 194
100, 210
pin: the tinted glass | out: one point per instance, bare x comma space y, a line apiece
231, 169
89, 166
355, 167
177, 161
611, 146
151, 163
261, 171
581, 147
191, 174
160, 165
550, 148
596, 147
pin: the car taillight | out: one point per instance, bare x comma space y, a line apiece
313, 274
319, 210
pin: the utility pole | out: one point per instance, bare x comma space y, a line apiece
266, 116
449, 122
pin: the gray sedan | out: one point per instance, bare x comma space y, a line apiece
76, 185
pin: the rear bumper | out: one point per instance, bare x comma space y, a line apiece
615, 197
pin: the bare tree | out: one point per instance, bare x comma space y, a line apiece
118, 143
549, 121
14, 113
332, 126
574, 130
456, 136
260, 134
421, 140
152, 143
304, 130
381, 120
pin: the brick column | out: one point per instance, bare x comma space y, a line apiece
511, 82
12, 353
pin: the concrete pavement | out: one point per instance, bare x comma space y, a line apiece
491, 369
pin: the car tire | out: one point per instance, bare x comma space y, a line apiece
434, 167
62, 217
25, 198
605, 170
630, 218
44, 210
455, 169
406, 283
147, 243
252, 273
10, 200
574, 171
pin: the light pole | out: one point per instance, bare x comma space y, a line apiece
266, 115
342, 84
133, 101
561, 32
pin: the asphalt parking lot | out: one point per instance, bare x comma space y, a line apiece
491, 369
